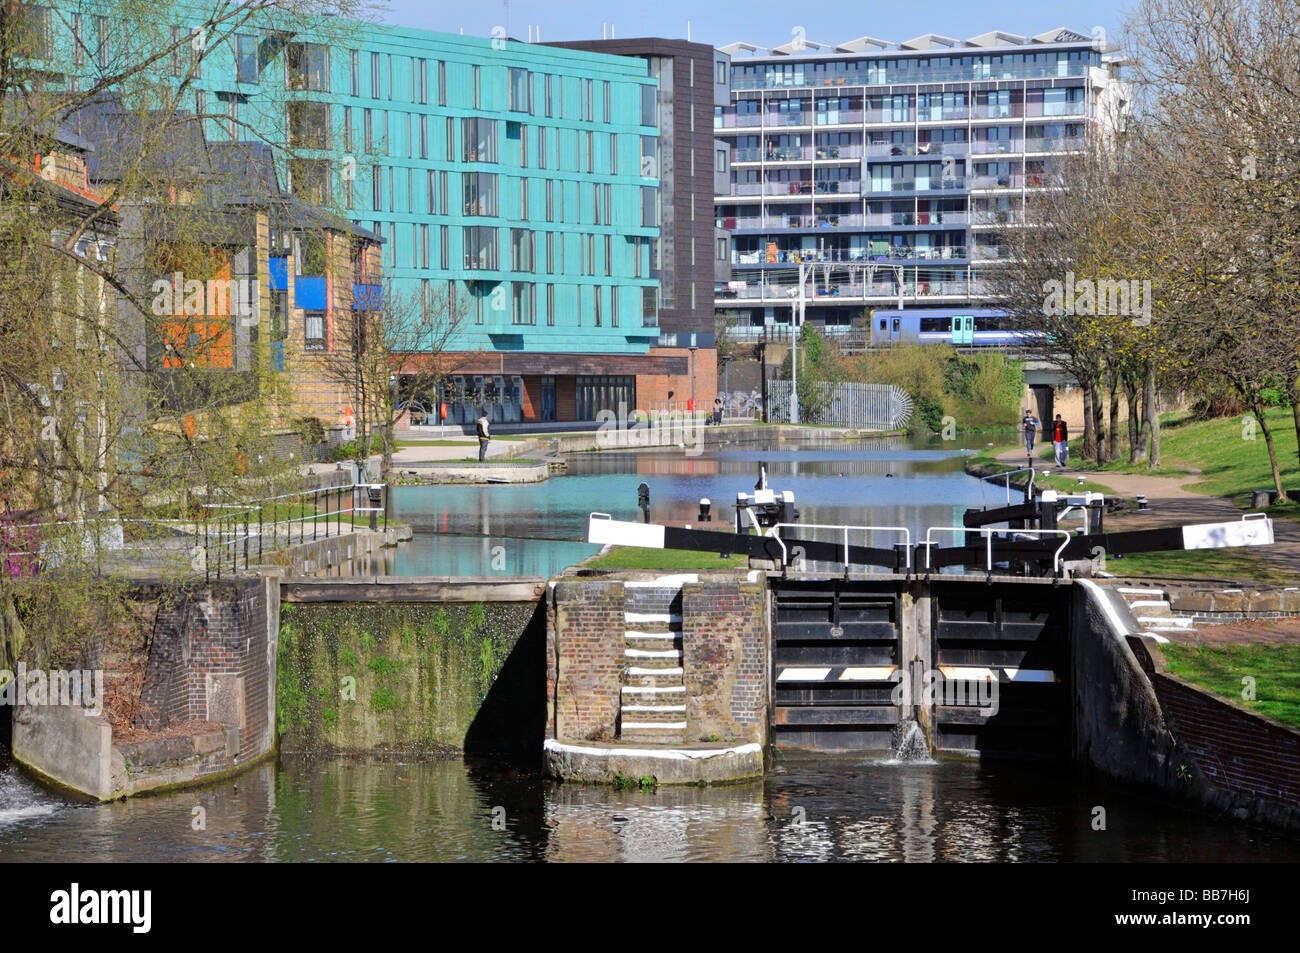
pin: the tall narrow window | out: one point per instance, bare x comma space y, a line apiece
442, 193
78, 44
541, 147
451, 139
444, 242
442, 83
613, 153
424, 136
354, 72
550, 200
613, 306
424, 246
477, 79
374, 76
609, 254
246, 69
607, 112
424, 81
523, 200
549, 104
431, 193
550, 305
368, 131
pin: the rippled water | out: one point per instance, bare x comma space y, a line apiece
806, 810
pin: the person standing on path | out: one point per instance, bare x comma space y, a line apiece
483, 436
1060, 440
1030, 424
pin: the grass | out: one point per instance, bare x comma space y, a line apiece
635, 557
1274, 668
1233, 564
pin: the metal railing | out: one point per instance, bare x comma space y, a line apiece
220, 537
775, 533
988, 533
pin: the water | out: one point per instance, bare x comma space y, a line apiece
806, 810
494, 530
910, 744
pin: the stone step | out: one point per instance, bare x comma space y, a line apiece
652, 657
641, 620
649, 714
654, 737
1166, 621
640, 677
661, 691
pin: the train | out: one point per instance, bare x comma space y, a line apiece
969, 327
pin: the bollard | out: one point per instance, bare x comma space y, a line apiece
376, 497
705, 507
643, 501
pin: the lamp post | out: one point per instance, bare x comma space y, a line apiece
794, 356
726, 387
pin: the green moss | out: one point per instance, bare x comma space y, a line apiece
383, 699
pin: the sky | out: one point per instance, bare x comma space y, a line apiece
763, 22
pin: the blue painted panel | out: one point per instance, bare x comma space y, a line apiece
309, 293
279, 274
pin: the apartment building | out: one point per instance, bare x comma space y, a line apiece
891, 167
505, 178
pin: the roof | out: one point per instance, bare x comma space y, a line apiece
925, 42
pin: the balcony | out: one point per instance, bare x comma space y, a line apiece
910, 219
984, 147
955, 184
998, 181
1066, 144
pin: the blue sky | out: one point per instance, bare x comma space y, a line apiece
764, 22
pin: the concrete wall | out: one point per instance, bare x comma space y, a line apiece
419, 677
66, 746
1137, 724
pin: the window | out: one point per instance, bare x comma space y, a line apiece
309, 125
389, 57
596, 295
424, 82
451, 139
648, 106
550, 253
591, 151
550, 305
609, 214
307, 67
442, 193
541, 147
480, 139
613, 153
609, 254
444, 241
608, 114
368, 131
591, 100
650, 157
177, 55
549, 105
410, 190
649, 207
720, 160
613, 306
521, 249
246, 58
521, 90
78, 44
550, 200
101, 42
375, 82
430, 192
442, 83
480, 193
523, 146
424, 137
523, 303
347, 128
480, 248
722, 249
354, 72
314, 330
377, 189
478, 86
310, 180
424, 246
523, 200
650, 307
720, 72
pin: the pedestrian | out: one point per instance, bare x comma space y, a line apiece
483, 435
1061, 441
1030, 425
717, 410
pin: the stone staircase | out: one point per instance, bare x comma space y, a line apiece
1151, 609
653, 702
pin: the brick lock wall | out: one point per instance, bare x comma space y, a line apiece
724, 646
1234, 747
585, 665
220, 631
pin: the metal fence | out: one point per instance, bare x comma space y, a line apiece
861, 406
216, 539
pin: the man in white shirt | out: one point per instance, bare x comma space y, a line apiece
483, 436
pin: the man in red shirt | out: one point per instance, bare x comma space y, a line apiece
1060, 440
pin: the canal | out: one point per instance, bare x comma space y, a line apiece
841, 808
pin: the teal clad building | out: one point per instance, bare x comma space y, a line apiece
514, 184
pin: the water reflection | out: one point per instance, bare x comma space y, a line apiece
808, 809
883, 481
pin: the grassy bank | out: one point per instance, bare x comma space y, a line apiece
1220, 669
634, 557
985, 463
1236, 565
